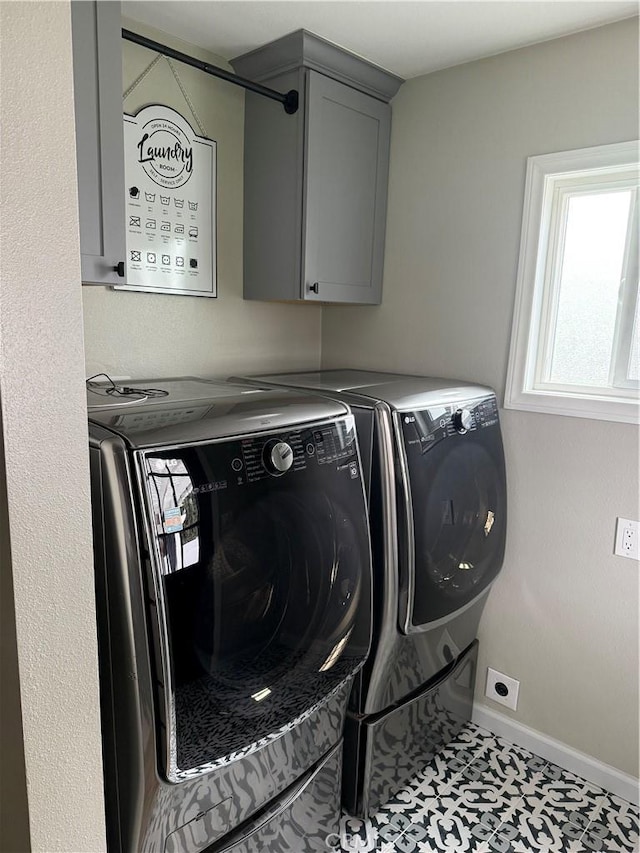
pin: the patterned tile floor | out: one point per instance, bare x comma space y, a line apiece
484, 795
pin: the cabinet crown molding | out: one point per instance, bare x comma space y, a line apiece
302, 48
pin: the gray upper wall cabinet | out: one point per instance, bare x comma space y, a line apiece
97, 69
315, 191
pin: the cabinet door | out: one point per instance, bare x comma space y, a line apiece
97, 67
346, 193
273, 167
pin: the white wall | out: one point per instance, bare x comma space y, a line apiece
45, 437
152, 335
563, 616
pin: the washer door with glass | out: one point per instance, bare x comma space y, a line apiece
456, 479
261, 571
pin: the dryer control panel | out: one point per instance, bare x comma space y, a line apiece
427, 427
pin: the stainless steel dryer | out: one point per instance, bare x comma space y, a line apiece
233, 589
434, 468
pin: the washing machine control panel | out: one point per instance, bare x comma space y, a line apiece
274, 456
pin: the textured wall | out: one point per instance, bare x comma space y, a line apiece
45, 438
146, 335
563, 617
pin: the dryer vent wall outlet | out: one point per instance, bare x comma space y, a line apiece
501, 688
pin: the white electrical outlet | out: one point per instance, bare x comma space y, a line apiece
501, 688
627, 538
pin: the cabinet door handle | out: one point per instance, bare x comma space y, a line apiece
119, 268
315, 287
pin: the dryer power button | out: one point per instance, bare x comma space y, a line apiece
462, 421
278, 457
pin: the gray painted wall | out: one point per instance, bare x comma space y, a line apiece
563, 617
152, 335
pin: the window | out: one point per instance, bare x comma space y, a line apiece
575, 347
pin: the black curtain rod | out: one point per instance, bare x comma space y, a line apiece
288, 100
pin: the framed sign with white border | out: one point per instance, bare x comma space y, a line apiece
170, 179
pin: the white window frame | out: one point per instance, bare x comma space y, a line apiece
552, 179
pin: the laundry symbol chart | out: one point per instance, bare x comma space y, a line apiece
169, 212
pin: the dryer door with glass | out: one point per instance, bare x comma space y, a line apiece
453, 464
260, 583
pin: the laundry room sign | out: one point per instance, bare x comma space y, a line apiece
170, 177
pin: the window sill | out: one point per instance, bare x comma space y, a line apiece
621, 409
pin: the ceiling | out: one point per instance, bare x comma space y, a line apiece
408, 38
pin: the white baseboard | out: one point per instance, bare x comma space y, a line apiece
559, 753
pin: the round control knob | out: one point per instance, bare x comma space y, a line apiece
278, 457
462, 421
